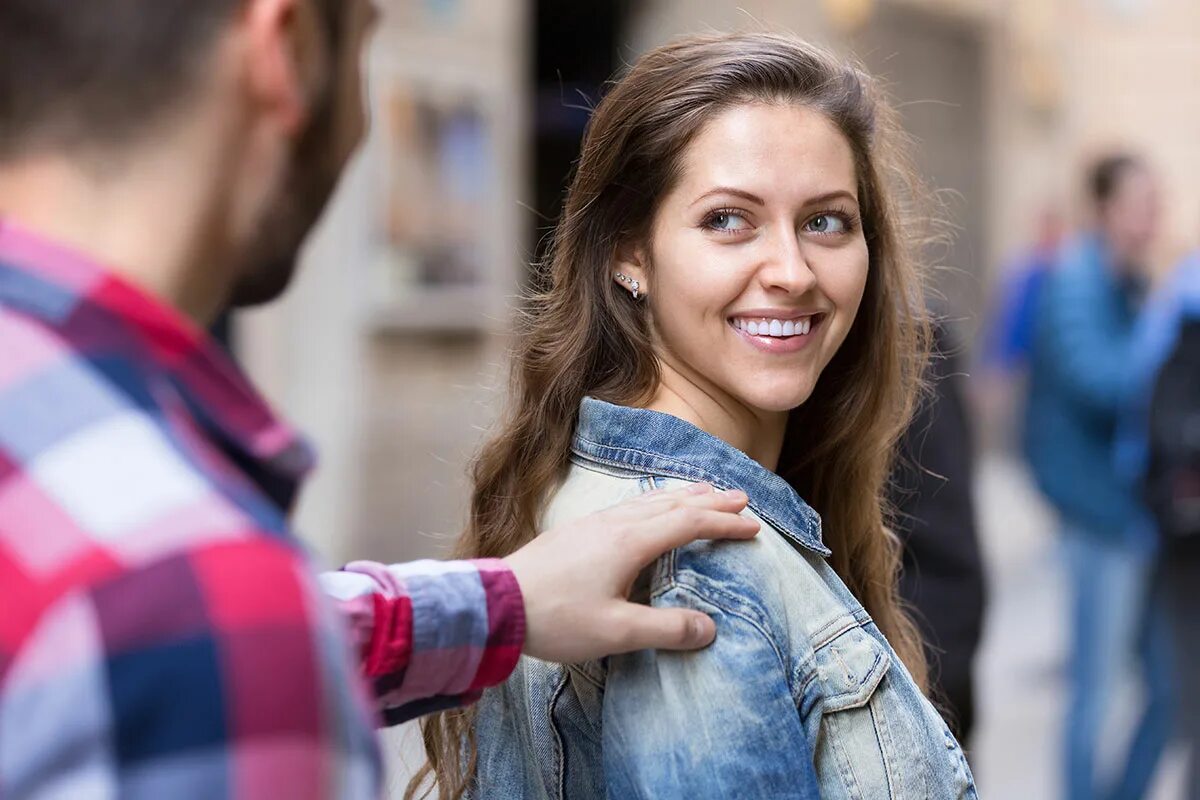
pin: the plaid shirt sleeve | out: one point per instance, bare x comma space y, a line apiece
431, 635
216, 671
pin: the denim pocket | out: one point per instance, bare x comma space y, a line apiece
851, 666
857, 743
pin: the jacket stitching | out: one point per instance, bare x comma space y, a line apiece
696, 592
887, 744
689, 471
574, 669
839, 626
558, 737
870, 672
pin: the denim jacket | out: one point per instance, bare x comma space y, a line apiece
799, 697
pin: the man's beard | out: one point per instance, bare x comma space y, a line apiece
269, 261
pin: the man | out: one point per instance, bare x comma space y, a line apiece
1078, 384
161, 635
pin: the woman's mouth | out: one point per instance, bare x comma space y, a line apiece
777, 334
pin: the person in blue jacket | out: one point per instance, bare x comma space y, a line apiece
1078, 386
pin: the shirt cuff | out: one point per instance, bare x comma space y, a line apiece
506, 623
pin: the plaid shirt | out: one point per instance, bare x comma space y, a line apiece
160, 632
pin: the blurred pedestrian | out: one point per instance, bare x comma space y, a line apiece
1158, 450
1078, 385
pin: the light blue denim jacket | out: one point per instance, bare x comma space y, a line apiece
799, 697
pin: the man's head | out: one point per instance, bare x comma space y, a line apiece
264, 92
1125, 195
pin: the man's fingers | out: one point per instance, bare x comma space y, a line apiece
664, 629
732, 500
684, 525
696, 495
669, 495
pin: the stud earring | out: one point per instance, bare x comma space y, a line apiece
633, 284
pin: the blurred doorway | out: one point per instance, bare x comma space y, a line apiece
575, 54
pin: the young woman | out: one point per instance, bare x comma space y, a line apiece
731, 298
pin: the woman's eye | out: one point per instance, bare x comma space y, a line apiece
826, 223
727, 222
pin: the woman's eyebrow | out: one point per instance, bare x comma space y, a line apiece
839, 194
753, 198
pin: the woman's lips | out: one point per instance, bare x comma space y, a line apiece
783, 343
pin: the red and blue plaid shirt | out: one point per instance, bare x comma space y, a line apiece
161, 634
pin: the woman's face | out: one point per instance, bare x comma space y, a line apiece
757, 260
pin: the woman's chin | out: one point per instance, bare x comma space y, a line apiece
778, 402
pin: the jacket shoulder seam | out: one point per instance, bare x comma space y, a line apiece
724, 601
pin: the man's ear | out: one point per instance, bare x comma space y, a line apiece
287, 59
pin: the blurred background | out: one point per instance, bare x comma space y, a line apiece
389, 351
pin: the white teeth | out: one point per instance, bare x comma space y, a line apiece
774, 327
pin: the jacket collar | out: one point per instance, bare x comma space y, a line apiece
663, 445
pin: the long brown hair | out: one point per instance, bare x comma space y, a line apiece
581, 335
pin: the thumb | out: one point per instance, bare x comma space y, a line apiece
665, 629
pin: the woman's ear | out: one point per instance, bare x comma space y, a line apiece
629, 269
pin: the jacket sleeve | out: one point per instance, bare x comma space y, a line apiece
716, 723
1083, 336
431, 635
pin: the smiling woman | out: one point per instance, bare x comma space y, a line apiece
732, 298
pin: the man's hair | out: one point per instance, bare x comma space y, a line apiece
97, 73
1105, 176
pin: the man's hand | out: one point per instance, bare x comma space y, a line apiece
576, 578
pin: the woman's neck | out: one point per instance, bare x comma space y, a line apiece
692, 399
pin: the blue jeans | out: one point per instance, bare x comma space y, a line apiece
1116, 617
